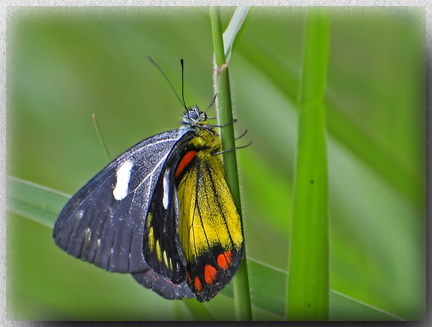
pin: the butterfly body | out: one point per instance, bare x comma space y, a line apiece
162, 212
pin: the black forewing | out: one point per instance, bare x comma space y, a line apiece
97, 228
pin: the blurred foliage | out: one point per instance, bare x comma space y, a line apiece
66, 63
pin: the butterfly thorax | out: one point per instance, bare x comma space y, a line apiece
206, 140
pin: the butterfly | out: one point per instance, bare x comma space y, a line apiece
162, 212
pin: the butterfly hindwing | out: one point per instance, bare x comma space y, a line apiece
162, 248
104, 222
210, 228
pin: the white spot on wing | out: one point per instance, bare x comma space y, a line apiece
123, 177
87, 232
165, 198
79, 214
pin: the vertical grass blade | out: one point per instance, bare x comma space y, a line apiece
241, 283
308, 281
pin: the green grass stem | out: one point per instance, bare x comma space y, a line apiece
225, 116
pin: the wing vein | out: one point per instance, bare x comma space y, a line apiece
219, 203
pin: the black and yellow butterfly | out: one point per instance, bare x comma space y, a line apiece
161, 211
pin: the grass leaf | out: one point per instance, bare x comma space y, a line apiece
308, 287
234, 26
33, 201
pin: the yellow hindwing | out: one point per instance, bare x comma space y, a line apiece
208, 216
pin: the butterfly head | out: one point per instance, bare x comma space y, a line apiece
193, 117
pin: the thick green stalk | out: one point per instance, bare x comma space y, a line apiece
308, 281
241, 283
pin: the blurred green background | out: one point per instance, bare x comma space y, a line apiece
63, 64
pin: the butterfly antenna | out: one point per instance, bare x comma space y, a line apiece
182, 66
169, 82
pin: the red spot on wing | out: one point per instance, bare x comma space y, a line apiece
197, 284
209, 274
224, 260
184, 162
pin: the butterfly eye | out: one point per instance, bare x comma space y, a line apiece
194, 115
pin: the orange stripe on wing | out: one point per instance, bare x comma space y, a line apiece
184, 162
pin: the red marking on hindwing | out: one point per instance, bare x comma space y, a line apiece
209, 274
197, 284
224, 260
184, 162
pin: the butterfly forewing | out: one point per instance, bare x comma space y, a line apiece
104, 222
